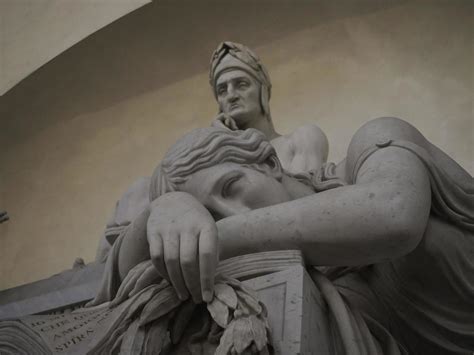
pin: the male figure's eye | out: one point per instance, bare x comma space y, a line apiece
221, 91
243, 84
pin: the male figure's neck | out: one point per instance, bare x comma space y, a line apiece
264, 124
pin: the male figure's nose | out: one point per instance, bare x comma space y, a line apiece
231, 94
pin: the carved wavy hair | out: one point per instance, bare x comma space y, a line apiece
206, 147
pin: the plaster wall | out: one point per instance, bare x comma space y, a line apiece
35, 31
79, 130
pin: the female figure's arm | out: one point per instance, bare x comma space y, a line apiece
381, 216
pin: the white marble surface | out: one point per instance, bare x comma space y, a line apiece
296, 312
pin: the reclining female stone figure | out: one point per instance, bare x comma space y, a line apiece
400, 205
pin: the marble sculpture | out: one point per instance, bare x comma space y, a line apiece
388, 232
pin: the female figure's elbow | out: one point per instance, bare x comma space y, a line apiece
406, 224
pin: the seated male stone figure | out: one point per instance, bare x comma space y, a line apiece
242, 88
401, 226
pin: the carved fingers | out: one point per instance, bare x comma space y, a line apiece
183, 247
208, 259
188, 260
171, 249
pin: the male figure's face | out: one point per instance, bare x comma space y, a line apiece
238, 95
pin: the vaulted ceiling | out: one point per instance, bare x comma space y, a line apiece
32, 32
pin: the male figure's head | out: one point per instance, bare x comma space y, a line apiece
241, 84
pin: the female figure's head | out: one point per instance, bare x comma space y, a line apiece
229, 172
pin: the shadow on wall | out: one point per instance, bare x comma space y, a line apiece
163, 42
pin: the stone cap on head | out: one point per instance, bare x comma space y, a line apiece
231, 55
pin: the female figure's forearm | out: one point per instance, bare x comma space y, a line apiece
358, 224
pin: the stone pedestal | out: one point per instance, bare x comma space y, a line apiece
296, 312
67, 289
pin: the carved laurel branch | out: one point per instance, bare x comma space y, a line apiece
240, 319
237, 310
236, 319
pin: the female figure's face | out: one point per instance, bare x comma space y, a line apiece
228, 189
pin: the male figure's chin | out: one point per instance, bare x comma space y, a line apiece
240, 117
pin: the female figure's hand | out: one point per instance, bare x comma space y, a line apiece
182, 236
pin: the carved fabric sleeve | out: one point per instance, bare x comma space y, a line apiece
428, 293
131, 204
111, 278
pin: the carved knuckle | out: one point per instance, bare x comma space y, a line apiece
172, 261
208, 255
156, 258
188, 262
191, 232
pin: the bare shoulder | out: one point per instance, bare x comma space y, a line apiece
309, 137
305, 149
308, 131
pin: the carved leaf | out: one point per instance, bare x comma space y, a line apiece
133, 339
141, 300
246, 332
197, 340
250, 305
227, 341
259, 332
264, 313
237, 285
162, 303
215, 334
181, 320
219, 312
226, 294
242, 334
156, 336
